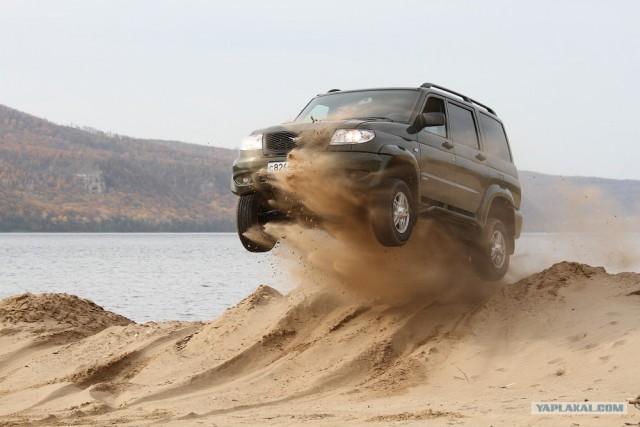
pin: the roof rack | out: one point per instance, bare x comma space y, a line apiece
464, 97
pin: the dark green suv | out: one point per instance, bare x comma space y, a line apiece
426, 151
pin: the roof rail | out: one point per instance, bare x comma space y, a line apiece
464, 97
333, 90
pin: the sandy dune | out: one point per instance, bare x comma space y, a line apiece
320, 356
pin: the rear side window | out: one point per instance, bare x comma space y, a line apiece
494, 138
463, 128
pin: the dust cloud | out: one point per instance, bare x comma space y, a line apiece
588, 226
331, 242
595, 212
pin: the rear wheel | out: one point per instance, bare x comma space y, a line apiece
393, 213
490, 256
252, 210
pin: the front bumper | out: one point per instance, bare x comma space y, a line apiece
250, 169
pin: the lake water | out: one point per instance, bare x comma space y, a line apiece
155, 277
141, 276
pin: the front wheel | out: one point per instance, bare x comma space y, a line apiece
252, 210
490, 256
393, 213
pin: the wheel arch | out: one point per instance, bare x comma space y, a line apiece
499, 204
402, 165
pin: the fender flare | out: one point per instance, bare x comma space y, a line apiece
404, 155
494, 191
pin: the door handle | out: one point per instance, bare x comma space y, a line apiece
481, 157
447, 145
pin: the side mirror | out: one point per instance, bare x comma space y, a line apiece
426, 120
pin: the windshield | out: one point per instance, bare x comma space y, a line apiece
386, 104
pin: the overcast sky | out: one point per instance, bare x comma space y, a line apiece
563, 75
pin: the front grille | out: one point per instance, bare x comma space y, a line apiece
279, 143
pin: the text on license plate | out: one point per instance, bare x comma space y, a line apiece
277, 166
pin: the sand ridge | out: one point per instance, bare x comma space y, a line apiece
325, 357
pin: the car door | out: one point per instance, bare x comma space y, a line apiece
470, 170
437, 158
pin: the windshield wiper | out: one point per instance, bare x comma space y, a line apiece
374, 118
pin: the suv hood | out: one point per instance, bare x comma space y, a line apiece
319, 126
279, 140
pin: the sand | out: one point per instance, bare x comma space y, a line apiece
321, 356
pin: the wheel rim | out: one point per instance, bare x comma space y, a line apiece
498, 249
401, 213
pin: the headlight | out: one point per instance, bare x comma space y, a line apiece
351, 136
252, 142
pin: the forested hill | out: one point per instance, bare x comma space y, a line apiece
60, 178
552, 203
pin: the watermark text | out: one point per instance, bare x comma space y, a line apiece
590, 408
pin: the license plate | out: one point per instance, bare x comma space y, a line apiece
277, 166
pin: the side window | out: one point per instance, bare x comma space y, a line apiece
494, 138
463, 128
435, 105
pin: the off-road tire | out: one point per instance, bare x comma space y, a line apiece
252, 208
490, 254
393, 213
